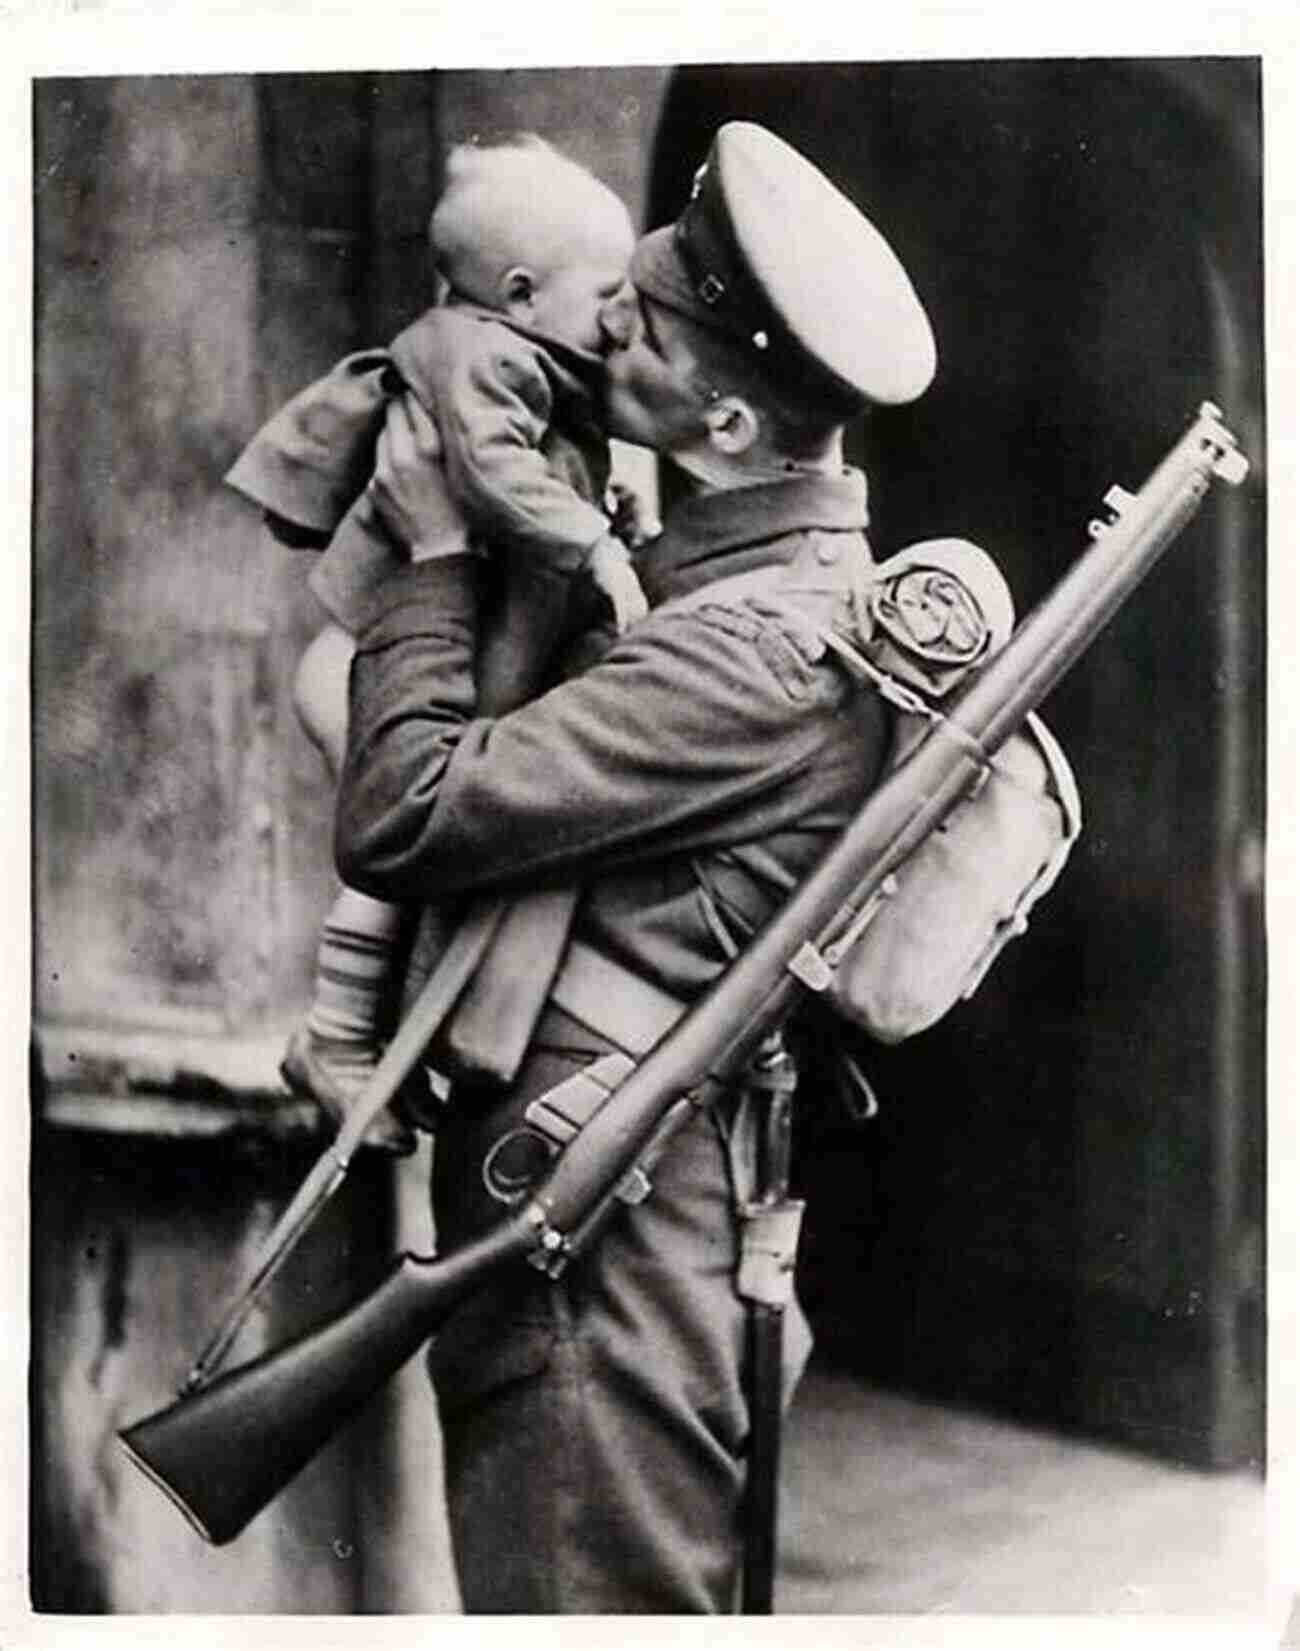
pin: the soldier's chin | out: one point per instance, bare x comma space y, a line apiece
624, 419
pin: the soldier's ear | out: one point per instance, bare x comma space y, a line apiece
734, 427
517, 289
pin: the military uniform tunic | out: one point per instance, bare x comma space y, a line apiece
595, 1426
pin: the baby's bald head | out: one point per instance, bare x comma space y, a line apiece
520, 203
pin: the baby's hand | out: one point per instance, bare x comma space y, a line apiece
630, 516
611, 572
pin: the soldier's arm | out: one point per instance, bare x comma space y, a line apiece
684, 728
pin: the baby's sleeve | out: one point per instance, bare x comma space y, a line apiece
309, 461
494, 407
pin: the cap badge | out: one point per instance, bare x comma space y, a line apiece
711, 288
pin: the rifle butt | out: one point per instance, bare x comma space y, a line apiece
226, 1452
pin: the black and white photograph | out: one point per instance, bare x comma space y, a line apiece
819, 513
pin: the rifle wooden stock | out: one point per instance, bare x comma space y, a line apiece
225, 1454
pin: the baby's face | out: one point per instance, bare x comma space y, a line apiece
568, 298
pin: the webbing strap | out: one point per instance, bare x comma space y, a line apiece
624, 1007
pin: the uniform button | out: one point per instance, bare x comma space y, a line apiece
827, 552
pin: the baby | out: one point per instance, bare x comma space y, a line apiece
531, 252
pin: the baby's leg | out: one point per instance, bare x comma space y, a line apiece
337, 1047
320, 694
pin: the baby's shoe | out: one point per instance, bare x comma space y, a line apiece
333, 1073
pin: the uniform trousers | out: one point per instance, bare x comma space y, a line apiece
595, 1426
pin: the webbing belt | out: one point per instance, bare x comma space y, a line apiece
622, 1006
625, 1010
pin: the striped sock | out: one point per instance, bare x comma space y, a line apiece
354, 964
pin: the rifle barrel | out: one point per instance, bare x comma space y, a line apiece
912, 800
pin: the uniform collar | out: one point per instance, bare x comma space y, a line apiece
716, 534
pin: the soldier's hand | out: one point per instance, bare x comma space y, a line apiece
409, 486
631, 517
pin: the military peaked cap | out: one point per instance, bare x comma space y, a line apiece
769, 253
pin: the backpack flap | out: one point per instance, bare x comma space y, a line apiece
964, 893
1062, 786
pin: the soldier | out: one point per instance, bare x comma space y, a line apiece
596, 1426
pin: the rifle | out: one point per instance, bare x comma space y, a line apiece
223, 1453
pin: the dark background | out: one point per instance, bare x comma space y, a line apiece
1059, 1209
1058, 1212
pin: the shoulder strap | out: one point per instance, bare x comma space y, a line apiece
897, 694
905, 699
